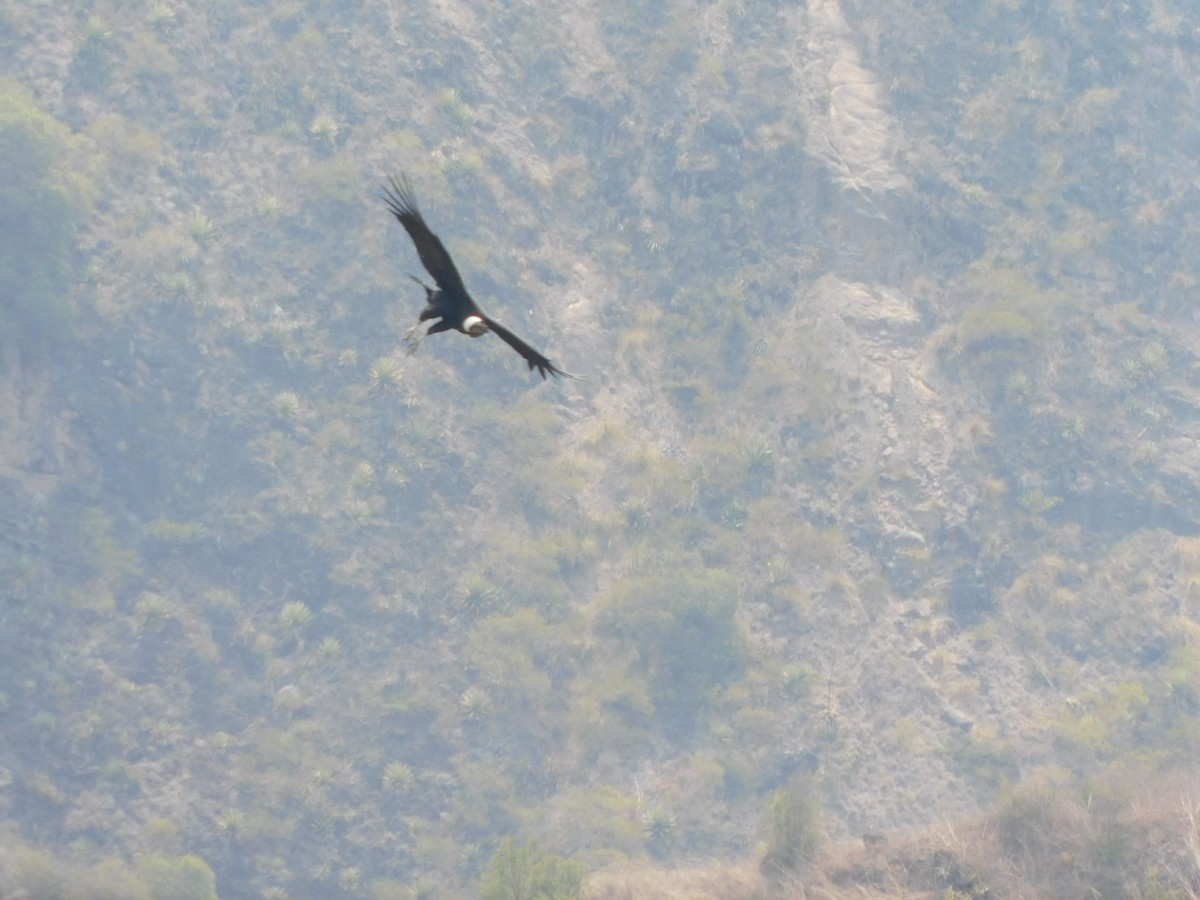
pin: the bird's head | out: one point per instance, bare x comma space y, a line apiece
475, 326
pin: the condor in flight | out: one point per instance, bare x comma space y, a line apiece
449, 302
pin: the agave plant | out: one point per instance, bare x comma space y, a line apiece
151, 611
92, 272
474, 702
636, 512
452, 102
325, 129
1153, 356
295, 615
385, 376
287, 405
735, 515
95, 31
476, 594
231, 823
398, 777
760, 458
1073, 427
269, 205
658, 825
182, 286
1132, 370
201, 228
1019, 389
329, 649
363, 474
161, 17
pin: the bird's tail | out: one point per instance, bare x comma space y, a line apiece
428, 290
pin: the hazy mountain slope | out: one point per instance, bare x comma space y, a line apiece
884, 472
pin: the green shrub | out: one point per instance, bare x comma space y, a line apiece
793, 827
525, 872
687, 635
178, 878
994, 326
41, 200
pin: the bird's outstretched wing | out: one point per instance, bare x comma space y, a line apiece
399, 197
535, 359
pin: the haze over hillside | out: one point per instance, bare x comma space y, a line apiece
878, 512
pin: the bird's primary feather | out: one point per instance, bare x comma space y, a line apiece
434, 256
535, 359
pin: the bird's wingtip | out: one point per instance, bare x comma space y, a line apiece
546, 369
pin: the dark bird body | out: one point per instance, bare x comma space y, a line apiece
449, 302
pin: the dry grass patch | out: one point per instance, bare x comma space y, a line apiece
716, 882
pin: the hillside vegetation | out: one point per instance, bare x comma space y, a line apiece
865, 561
